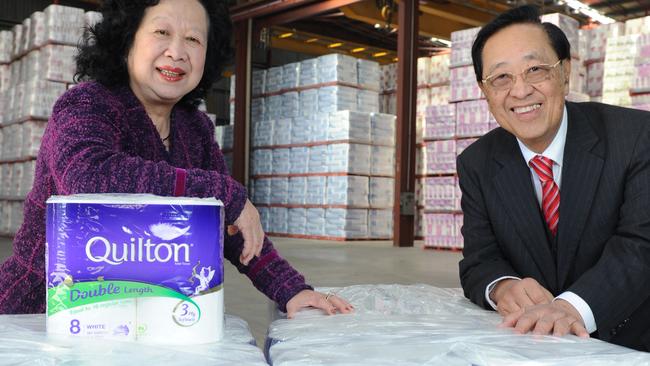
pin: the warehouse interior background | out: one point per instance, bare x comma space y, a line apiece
394, 182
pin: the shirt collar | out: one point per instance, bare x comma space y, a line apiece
554, 151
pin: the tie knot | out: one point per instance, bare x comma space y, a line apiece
543, 166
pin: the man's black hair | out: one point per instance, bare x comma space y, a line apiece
526, 14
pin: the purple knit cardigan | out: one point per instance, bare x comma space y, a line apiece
101, 140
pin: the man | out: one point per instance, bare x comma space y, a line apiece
556, 202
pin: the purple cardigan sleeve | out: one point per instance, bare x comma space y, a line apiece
270, 273
85, 159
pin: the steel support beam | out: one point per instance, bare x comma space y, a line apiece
303, 12
243, 41
407, 48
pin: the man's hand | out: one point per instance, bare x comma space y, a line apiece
557, 318
513, 295
250, 226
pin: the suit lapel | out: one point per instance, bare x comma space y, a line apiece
581, 171
513, 183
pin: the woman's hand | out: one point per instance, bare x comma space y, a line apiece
329, 303
250, 226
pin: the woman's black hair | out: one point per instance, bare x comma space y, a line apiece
103, 53
527, 14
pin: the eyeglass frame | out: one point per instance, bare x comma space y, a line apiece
514, 76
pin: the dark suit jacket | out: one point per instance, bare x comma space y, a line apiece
603, 242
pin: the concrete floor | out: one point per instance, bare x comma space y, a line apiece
326, 263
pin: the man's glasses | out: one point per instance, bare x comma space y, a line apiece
533, 74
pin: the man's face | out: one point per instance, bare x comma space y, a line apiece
531, 112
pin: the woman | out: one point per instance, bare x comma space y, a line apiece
135, 128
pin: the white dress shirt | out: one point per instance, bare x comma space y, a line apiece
555, 152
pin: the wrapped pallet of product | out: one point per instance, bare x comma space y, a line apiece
346, 223
382, 129
265, 218
461, 47
348, 158
16, 180
290, 104
273, 107
262, 191
440, 193
382, 160
318, 159
423, 66
440, 231
596, 39
224, 135
37, 97
369, 75
463, 85
423, 100
349, 125
279, 217
5, 178
29, 169
262, 162
440, 157
337, 98
388, 77
32, 134
5, 77
439, 95
282, 131
258, 109
637, 25
641, 78
17, 47
336, 67
594, 80
297, 224
37, 31
58, 63
5, 217
473, 118
380, 224
316, 190
301, 129
299, 160
619, 69
308, 72
12, 148
262, 132
297, 190
315, 221
308, 102
258, 82
440, 121
569, 26
6, 46
279, 190
367, 101
64, 24
281, 163
462, 144
347, 190
439, 69
290, 75
274, 79
381, 192
135, 267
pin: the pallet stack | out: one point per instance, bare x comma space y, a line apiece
36, 67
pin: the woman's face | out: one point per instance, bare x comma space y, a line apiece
168, 54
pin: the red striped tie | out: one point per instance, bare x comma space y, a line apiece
550, 192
